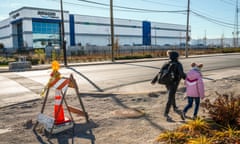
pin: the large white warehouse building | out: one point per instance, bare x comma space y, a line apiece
31, 28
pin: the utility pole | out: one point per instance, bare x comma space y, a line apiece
112, 28
235, 29
63, 42
187, 32
236, 24
222, 41
205, 39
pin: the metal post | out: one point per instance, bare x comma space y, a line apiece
63, 42
112, 29
187, 32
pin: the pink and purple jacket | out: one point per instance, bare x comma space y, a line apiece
194, 84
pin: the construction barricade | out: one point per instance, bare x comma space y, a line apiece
59, 122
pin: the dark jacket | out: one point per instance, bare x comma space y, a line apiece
178, 70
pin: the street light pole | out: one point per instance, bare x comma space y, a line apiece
112, 29
63, 42
187, 32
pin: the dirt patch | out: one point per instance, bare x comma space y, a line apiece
107, 124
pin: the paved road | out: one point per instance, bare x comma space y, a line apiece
120, 77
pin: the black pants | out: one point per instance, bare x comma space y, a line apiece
172, 89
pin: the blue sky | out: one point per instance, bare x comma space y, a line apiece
203, 17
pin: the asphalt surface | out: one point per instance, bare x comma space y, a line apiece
16, 88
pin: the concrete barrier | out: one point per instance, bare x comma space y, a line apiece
20, 65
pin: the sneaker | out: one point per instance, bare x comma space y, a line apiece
176, 110
169, 119
183, 115
194, 117
166, 115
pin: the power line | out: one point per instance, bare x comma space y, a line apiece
228, 2
140, 10
71, 3
98, 7
222, 23
104, 8
207, 15
118, 8
161, 3
132, 8
208, 18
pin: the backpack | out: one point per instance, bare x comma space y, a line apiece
167, 74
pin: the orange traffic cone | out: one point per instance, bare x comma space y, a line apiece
58, 109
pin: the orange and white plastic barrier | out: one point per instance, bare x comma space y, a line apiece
61, 84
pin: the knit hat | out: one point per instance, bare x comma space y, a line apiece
173, 55
197, 66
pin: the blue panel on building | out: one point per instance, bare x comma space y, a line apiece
72, 30
146, 35
46, 20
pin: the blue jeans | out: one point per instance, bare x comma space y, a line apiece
190, 103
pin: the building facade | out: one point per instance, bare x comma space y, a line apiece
31, 28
